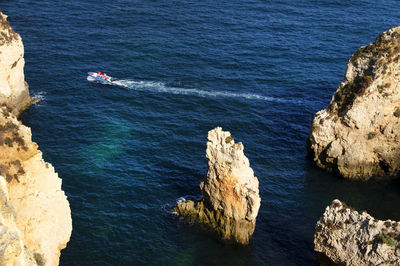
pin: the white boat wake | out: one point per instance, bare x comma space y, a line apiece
162, 88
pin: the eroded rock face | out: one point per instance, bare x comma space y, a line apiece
348, 237
40, 208
13, 89
12, 250
35, 218
357, 135
230, 200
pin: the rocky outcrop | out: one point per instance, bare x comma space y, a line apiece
230, 201
41, 210
357, 135
35, 218
347, 237
12, 250
13, 89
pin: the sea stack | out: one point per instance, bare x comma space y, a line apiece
347, 237
35, 217
230, 201
357, 135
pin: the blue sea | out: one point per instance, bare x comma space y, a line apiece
127, 151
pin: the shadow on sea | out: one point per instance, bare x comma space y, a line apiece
320, 189
375, 196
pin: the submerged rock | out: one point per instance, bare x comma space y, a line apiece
347, 237
357, 135
230, 201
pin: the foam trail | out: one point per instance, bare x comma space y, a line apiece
161, 87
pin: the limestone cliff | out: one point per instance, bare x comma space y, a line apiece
35, 218
347, 237
13, 89
230, 200
12, 250
357, 135
41, 210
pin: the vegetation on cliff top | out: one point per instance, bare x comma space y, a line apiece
387, 47
345, 95
10, 137
382, 238
8, 34
12, 170
228, 139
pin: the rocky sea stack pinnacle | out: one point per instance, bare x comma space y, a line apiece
358, 134
230, 200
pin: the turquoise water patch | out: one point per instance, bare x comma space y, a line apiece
110, 143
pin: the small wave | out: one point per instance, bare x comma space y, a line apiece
181, 199
41, 96
168, 208
163, 88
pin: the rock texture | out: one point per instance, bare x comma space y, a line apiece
230, 200
12, 250
41, 210
13, 89
357, 135
347, 237
35, 218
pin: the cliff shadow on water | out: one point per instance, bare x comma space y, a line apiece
377, 196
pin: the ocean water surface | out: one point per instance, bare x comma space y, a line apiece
126, 152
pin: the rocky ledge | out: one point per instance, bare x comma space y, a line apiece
347, 237
230, 201
35, 218
357, 135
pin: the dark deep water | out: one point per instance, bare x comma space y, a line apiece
127, 152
